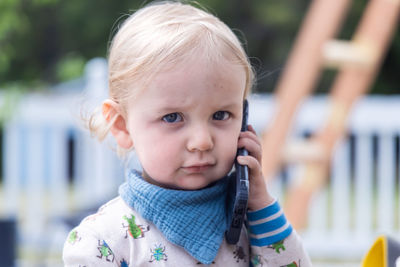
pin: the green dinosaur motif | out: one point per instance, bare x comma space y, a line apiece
136, 231
73, 237
278, 246
105, 251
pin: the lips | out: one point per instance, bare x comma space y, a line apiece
198, 168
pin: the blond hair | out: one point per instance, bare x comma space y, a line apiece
159, 36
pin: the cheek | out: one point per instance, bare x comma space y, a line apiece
229, 148
156, 154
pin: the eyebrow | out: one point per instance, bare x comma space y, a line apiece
231, 106
166, 108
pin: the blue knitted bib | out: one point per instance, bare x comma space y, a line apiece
194, 220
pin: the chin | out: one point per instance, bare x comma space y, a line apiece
197, 185
193, 187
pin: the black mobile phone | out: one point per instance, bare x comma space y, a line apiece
238, 190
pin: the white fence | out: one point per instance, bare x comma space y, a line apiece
52, 168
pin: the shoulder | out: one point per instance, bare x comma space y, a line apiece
107, 215
98, 239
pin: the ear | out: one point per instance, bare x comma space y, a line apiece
112, 114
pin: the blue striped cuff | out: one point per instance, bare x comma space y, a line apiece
268, 225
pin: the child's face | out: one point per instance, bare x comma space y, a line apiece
185, 125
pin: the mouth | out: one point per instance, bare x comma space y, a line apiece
197, 168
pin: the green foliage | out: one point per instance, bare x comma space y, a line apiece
9, 101
69, 67
48, 41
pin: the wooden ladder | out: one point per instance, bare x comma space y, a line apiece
358, 62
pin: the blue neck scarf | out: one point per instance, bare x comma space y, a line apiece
195, 220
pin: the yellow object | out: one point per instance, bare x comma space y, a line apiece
377, 255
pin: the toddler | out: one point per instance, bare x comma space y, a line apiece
178, 77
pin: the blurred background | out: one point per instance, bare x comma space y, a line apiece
45, 42
52, 174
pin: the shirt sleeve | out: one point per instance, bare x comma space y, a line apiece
273, 240
83, 248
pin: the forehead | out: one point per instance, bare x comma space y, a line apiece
199, 78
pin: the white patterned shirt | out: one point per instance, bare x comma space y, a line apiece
118, 236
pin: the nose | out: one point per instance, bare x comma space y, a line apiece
200, 139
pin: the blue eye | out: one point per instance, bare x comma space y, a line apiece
221, 115
172, 118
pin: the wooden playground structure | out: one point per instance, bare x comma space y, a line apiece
357, 61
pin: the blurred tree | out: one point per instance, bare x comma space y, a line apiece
50, 40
